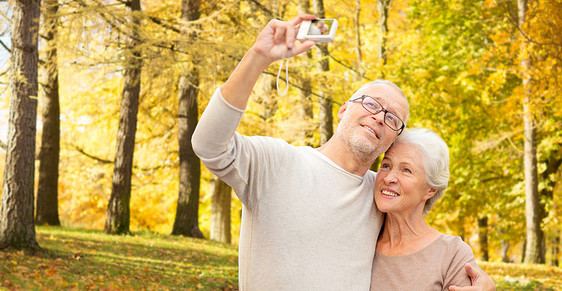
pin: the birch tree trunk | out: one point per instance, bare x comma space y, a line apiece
221, 197
535, 248
17, 229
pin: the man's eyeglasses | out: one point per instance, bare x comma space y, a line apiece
374, 107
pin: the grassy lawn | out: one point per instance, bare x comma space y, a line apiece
91, 260
77, 259
524, 276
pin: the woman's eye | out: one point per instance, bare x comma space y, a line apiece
406, 170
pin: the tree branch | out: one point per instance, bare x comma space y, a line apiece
260, 6
82, 151
528, 38
104, 161
5, 46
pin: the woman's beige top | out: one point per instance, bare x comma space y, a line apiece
435, 267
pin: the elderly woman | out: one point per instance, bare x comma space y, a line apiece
410, 254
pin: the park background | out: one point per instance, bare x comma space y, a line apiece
122, 83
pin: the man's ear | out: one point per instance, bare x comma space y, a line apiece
342, 110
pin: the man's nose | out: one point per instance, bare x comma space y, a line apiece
379, 117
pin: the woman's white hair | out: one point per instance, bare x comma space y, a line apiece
435, 157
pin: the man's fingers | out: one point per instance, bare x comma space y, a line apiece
468, 288
290, 37
291, 33
297, 50
300, 18
279, 36
472, 273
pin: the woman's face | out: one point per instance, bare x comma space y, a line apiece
400, 187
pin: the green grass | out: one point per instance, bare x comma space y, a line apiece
91, 260
524, 276
77, 259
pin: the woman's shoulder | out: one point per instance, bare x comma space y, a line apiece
455, 247
453, 240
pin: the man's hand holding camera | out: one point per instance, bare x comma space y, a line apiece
277, 40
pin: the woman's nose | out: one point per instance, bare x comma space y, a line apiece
390, 178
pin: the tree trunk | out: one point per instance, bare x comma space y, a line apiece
555, 248
326, 117
359, 53
16, 213
220, 210
549, 180
118, 210
47, 189
187, 213
504, 251
383, 6
483, 238
535, 252
305, 110
304, 6
523, 252
269, 99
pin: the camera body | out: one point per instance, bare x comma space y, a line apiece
319, 30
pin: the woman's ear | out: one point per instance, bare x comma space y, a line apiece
430, 193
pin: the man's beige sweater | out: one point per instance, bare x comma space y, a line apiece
307, 224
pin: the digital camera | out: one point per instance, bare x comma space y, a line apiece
319, 30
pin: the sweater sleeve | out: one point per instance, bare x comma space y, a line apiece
215, 129
243, 162
459, 254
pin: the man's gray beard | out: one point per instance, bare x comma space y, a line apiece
360, 146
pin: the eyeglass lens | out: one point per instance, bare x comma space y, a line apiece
375, 107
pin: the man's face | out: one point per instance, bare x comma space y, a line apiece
366, 133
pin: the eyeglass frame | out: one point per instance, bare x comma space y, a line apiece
362, 98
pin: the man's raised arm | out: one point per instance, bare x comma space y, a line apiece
224, 112
275, 42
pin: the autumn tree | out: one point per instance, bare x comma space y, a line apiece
540, 50
326, 117
17, 227
187, 213
118, 210
452, 89
221, 197
47, 189
305, 108
358, 49
383, 6
534, 252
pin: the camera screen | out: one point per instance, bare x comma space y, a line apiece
320, 27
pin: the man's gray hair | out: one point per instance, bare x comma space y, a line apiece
435, 156
363, 88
